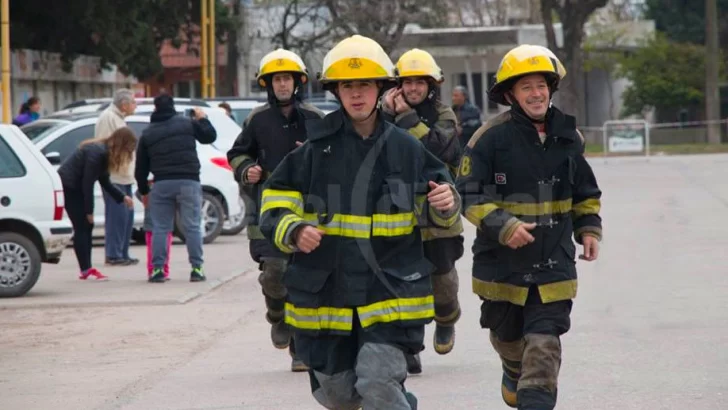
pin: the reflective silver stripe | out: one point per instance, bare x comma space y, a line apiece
365, 316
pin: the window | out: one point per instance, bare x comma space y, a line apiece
240, 114
67, 143
37, 130
137, 127
10, 165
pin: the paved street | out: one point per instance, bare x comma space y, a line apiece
649, 328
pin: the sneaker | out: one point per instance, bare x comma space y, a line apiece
130, 261
157, 276
93, 272
115, 262
197, 275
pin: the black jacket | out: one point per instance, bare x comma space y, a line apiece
168, 148
469, 119
367, 195
267, 137
507, 177
79, 172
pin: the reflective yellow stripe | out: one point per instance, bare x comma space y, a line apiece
397, 310
275, 198
440, 221
476, 213
394, 224
591, 206
536, 209
237, 161
283, 224
321, 318
363, 227
419, 130
505, 292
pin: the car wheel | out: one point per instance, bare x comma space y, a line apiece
20, 264
213, 219
234, 225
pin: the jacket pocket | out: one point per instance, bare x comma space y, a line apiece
411, 280
305, 279
397, 196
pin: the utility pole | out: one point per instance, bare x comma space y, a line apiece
212, 49
712, 87
7, 117
204, 52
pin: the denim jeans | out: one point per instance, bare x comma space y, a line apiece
118, 225
165, 198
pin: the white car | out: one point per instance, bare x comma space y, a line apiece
240, 107
32, 227
58, 136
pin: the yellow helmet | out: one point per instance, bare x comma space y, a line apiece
356, 58
419, 63
523, 60
281, 61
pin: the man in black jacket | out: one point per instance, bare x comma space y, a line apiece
168, 149
468, 114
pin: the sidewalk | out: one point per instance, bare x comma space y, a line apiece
59, 286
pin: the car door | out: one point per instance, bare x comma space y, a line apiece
65, 144
19, 172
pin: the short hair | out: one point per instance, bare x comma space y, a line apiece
462, 90
225, 106
122, 96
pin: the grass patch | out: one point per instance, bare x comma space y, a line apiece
667, 149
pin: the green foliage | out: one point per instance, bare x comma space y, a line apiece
684, 20
127, 33
663, 74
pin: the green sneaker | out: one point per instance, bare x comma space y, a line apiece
157, 276
197, 275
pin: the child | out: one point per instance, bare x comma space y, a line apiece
148, 236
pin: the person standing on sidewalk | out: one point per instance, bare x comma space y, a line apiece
92, 162
168, 149
119, 218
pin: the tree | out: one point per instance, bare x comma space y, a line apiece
684, 20
128, 34
481, 13
602, 52
664, 75
573, 15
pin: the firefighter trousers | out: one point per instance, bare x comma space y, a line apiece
443, 253
527, 339
365, 369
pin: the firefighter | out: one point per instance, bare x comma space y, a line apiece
526, 186
270, 132
415, 106
347, 205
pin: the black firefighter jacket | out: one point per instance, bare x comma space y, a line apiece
368, 195
506, 177
267, 137
434, 124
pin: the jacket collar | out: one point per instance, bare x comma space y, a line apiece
557, 123
338, 123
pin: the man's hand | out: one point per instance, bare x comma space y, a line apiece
199, 114
129, 202
308, 238
400, 105
441, 197
389, 99
591, 248
145, 200
299, 143
521, 237
90, 218
253, 174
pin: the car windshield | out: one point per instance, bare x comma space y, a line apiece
37, 130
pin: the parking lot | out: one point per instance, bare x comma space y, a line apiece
649, 326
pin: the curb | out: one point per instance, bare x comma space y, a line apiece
210, 287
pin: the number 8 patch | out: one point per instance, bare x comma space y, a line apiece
465, 166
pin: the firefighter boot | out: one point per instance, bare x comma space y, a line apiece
444, 338
297, 365
511, 354
414, 365
447, 310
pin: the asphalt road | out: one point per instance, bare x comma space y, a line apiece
649, 326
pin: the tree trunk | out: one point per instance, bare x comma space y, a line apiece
712, 87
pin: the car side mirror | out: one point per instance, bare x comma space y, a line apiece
54, 158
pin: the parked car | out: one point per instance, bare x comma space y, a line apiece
240, 107
33, 230
59, 136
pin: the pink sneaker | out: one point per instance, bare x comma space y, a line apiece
95, 273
